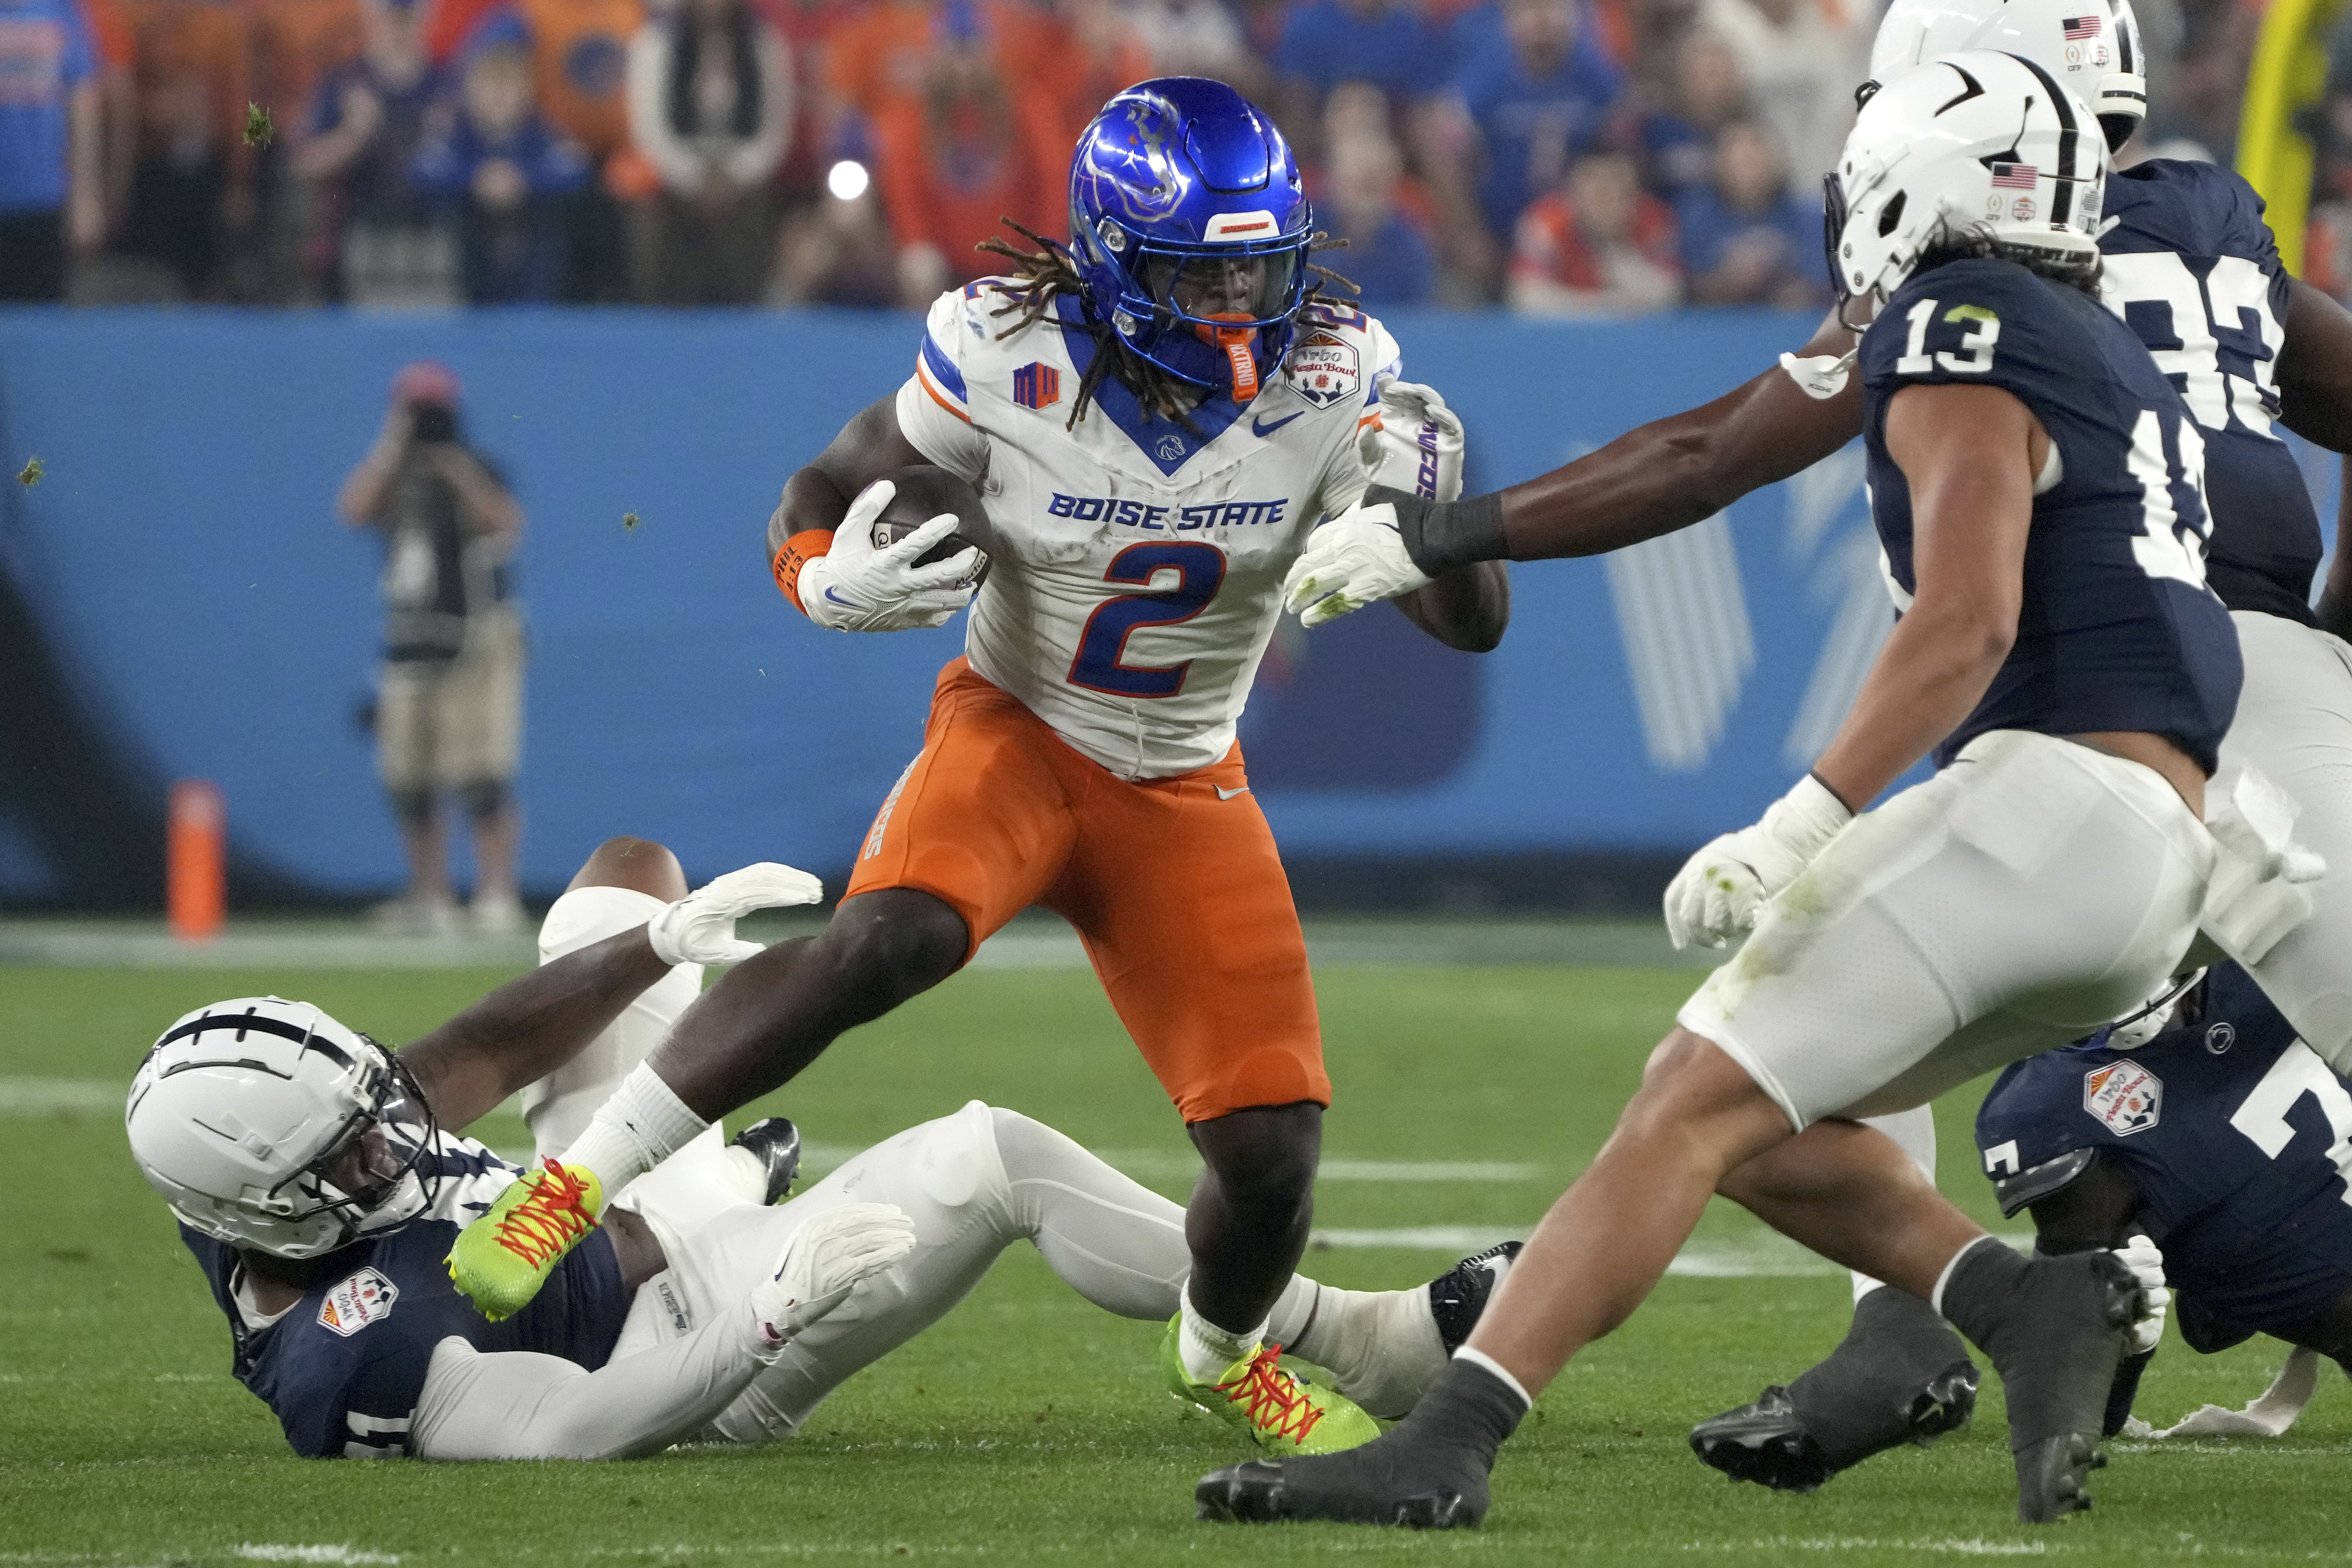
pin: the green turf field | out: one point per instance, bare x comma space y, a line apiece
1028, 1426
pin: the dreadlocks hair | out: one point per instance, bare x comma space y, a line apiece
1040, 275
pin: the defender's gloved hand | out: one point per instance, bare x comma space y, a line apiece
701, 927
1416, 444
855, 587
1356, 559
1716, 893
824, 1262
2146, 1263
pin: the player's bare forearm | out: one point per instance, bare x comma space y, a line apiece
1681, 469
530, 1026
1467, 608
2315, 369
1969, 455
868, 447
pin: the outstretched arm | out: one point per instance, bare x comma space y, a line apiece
1686, 468
1468, 608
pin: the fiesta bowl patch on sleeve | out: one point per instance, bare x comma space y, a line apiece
1325, 370
357, 1302
2126, 1096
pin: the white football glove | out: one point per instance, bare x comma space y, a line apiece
1356, 559
701, 927
855, 587
824, 1262
2146, 1263
1416, 444
1718, 891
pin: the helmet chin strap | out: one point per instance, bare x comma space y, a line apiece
1235, 341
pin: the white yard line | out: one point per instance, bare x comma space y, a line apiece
274, 1553
48, 1095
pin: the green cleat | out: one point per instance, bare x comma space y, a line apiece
503, 1259
1281, 1412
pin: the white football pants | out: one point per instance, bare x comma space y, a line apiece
2295, 723
2022, 896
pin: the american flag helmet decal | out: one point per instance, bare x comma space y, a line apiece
2015, 176
2076, 27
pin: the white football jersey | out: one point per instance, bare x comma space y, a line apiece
1136, 581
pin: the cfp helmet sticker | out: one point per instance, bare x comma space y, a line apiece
2125, 1096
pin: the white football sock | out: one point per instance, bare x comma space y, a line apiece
642, 1124
1380, 1347
1208, 1350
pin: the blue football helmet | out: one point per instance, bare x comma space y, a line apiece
1189, 226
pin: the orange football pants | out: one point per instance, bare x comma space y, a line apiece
1175, 889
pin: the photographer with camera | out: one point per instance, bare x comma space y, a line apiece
448, 712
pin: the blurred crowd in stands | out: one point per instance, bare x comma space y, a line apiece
1583, 157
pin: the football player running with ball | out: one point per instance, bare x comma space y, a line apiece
1155, 414
319, 1178
2190, 267
2037, 485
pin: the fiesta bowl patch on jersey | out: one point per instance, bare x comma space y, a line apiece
1324, 369
2126, 1096
365, 1297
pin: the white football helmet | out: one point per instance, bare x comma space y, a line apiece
1978, 145
265, 1123
2091, 46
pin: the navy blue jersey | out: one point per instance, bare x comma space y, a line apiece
2191, 268
343, 1366
2235, 1135
2118, 630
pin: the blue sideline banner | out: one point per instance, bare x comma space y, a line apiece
182, 549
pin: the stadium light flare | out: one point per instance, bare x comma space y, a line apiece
847, 180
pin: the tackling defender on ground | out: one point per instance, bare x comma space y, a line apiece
318, 1179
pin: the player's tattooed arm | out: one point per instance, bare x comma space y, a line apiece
870, 447
1468, 608
530, 1026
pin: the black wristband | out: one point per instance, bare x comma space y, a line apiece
1441, 535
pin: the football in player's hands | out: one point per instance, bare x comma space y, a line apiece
922, 492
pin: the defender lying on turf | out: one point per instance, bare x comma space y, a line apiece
319, 1181
2212, 1128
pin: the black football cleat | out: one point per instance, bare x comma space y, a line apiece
777, 1144
1458, 1297
1411, 1490
2054, 1327
1900, 1376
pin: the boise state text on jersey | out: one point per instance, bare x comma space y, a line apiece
2229, 1126
1138, 577
2191, 268
343, 1367
2118, 630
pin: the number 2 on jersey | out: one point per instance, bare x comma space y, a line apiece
1101, 662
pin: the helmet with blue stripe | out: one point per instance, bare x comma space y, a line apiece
1190, 228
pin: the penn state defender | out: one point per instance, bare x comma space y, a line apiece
1156, 414
2191, 268
2036, 486
320, 1180
2219, 1135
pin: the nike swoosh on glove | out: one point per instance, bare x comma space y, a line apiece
856, 587
1356, 559
701, 927
1416, 444
1718, 892
825, 1261
2146, 1263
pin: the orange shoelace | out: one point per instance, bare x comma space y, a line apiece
550, 1219
1272, 1398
